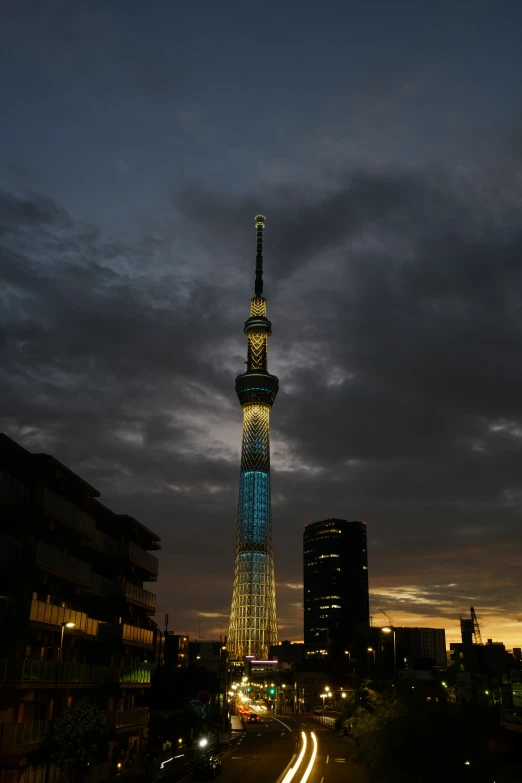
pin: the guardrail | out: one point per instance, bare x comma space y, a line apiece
10, 547
326, 721
18, 670
109, 545
131, 633
19, 735
41, 612
52, 558
126, 718
140, 556
66, 510
141, 596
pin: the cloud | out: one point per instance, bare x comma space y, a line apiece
210, 614
396, 335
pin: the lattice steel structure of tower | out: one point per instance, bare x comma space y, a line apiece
253, 621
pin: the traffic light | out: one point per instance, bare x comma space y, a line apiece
248, 690
272, 691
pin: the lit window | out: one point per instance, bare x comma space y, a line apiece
322, 557
336, 606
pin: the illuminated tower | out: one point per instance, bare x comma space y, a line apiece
253, 622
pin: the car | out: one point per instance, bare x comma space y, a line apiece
207, 767
253, 718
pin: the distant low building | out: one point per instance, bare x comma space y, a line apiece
207, 653
287, 652
414, 649
308, 687
176, 649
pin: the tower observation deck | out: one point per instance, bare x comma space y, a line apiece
253, 622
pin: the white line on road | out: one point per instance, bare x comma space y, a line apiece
236, 757
340, 761
291, 772
327, 759
284, 724
322, 780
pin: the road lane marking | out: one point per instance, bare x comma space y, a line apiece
312, 760
234, 758
340, 761
284, 724
322, 780
291, 772
283, 773
327, 759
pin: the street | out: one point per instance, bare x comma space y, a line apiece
264, 751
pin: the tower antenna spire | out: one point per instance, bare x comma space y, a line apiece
260, 225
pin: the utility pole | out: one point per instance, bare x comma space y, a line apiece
64, 625
165, 638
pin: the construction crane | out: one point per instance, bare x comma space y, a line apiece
476, 626
387, 617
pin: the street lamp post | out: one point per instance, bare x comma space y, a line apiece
391, 629
55, 697
371, 650
221, 690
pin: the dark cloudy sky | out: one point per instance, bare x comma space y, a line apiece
383, 141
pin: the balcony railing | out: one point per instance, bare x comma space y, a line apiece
12, 488
10, 547
56, 615
102, 585
107, 544
19, 735
134, 675
66, 564
18, 670
140, 596
7, 608
63, 508
125, 718
25, 670
140, 556
132, 634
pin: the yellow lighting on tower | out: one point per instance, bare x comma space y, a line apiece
253, 620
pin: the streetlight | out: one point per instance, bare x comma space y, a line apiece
370, 649
64, 625
323, 697
391, 629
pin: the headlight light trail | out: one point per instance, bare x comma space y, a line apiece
291, 772
311, 762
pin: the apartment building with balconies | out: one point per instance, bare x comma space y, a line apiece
65, 558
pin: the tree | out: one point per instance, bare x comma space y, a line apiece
420, 740
80, 740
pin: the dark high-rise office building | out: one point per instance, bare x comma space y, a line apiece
335, 583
